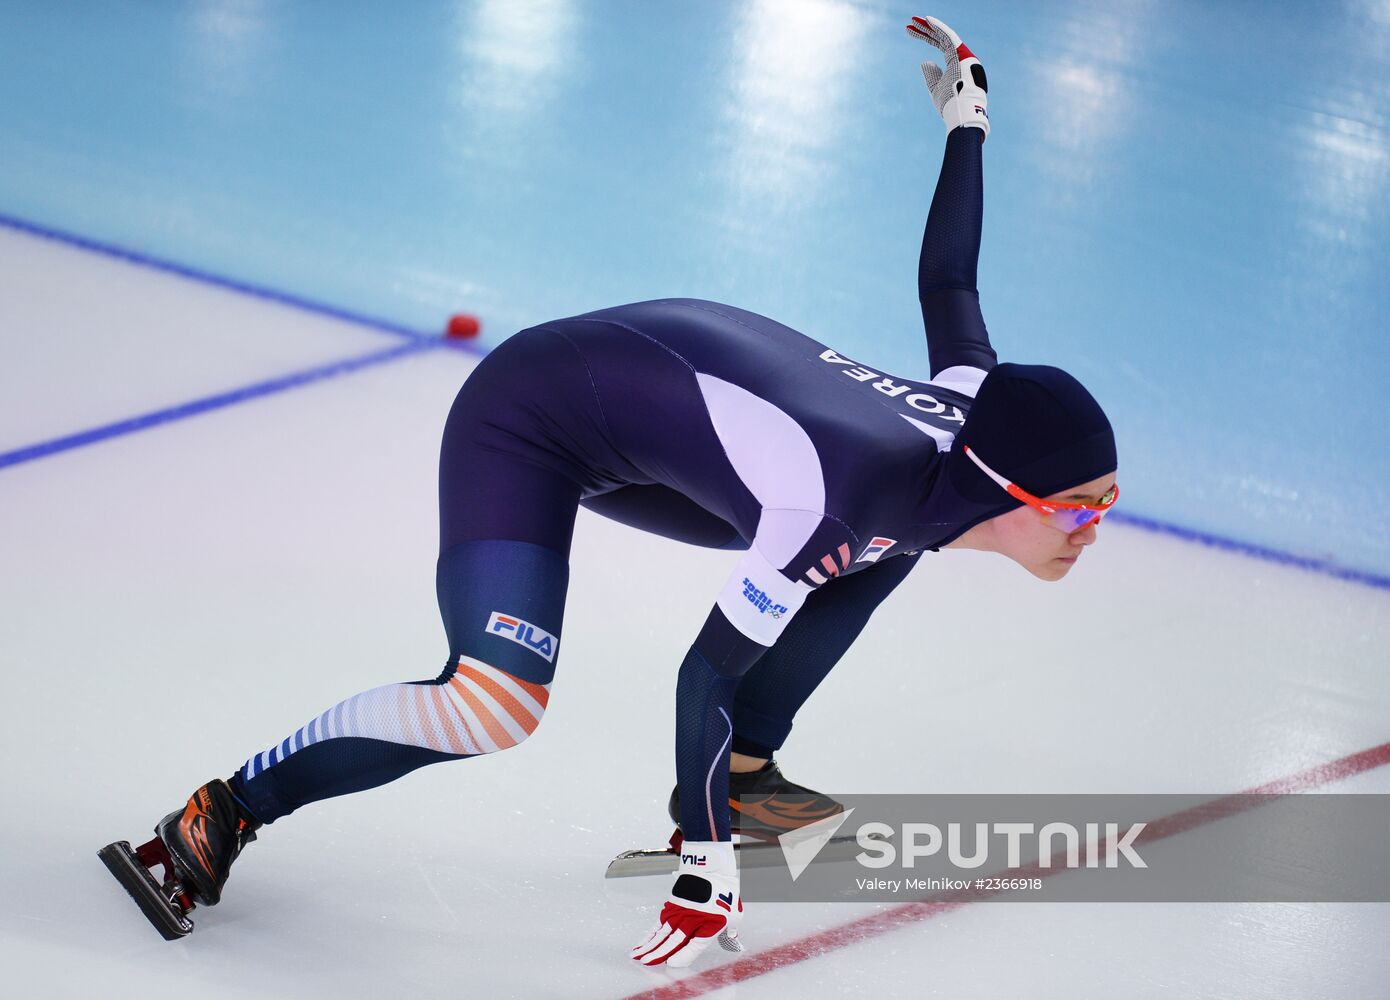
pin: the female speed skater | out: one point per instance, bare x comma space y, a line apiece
718, 427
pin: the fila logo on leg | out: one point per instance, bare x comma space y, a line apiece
876, 548
536, 639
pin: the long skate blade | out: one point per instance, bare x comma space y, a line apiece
136, 879
633, 863
751, 854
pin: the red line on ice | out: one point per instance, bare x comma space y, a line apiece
815, 945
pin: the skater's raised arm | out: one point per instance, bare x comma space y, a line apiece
956, 334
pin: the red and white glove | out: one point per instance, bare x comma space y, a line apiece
960, 91
704, 904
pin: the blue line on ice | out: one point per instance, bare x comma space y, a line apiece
1309, 563
194, 407
209, 278
423, 341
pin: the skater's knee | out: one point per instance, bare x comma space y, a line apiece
495, 710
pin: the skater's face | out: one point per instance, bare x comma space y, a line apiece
1039, 548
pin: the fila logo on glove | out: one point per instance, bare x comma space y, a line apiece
537, 640
692, 859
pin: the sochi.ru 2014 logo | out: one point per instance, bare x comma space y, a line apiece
759, 599
537, 640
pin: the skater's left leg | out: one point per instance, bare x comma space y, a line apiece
507, 504
503, 603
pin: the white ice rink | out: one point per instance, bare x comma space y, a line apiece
177, 598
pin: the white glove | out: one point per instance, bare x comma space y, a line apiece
960, 92
704, 903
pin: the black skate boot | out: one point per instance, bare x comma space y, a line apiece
195, 847
205, 838
771, 805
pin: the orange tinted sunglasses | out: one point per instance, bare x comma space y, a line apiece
1065, 517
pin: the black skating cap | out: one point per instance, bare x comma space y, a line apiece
1037, 426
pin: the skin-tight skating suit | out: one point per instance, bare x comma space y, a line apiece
703, 423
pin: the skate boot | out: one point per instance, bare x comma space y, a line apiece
205, 838
771, 805
195, 846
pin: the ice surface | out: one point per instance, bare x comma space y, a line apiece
1185, 204
176, 599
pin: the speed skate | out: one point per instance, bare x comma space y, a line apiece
751, 853
165, 903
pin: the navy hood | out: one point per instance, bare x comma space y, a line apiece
1033, 424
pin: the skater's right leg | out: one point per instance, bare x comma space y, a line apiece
660, 510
